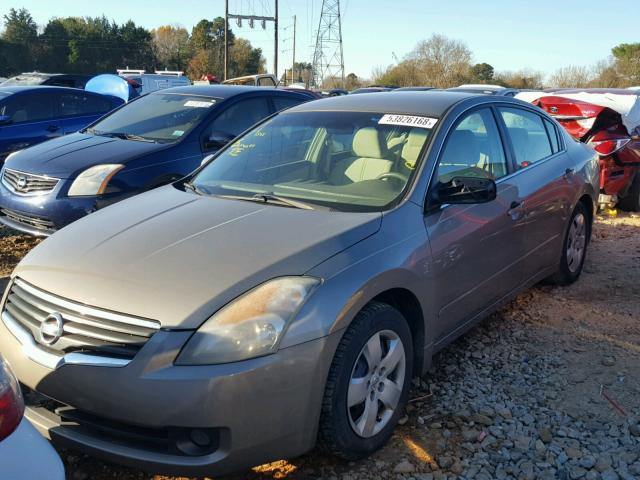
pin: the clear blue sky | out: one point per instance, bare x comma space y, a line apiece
508, 34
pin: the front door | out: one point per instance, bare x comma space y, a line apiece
477, 249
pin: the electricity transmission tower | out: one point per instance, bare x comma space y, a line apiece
328, 60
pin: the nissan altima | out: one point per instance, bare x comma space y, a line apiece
285, 293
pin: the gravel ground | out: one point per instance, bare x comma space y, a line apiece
547, 388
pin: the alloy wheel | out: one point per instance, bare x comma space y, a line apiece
376, 383
576, 242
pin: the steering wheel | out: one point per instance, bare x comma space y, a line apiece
394, 175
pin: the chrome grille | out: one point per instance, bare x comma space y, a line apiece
32, 221
24, 183
84, 328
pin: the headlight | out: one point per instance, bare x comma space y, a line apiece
94, 180
251, 325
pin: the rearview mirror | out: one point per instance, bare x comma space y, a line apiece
5, 119
217, 140
465, 190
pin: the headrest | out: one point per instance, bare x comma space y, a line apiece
415, 141
366, 143
461, 147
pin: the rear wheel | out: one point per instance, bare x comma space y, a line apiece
368, 383
631, 201
574, 248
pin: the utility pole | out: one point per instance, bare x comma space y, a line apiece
328, 58
226, 38
251, 19
293, 64
275, 50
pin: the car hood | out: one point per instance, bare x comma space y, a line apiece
177, 257
67, 156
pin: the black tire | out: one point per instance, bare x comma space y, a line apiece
567, 274
336, 434
631, 201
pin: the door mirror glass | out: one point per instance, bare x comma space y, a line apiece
217, 140
465, 190
5, 119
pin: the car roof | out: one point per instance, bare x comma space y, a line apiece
225, 91
27, 88
431, 102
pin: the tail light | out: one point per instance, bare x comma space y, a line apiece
11, 403
608, 147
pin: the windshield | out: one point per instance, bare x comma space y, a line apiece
160, 117
351, 161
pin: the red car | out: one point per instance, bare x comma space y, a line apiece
609, 121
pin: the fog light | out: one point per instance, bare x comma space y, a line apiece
200, 438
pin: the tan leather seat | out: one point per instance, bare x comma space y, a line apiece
411, 150
368, 161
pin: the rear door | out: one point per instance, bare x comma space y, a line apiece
545, 180
477, 249
32, 121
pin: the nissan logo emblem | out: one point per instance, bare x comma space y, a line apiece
51, 328
553, 109
21, 182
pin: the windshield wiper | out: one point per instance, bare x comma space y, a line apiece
127, 136
193, 188
270, 198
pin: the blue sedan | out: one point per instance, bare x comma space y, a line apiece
151, 141
30, 115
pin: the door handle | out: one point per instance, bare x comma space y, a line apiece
516, 210
53, 128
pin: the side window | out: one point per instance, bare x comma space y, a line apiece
266, 82
282, 103
240, 116
473, 149
76, 104
528, 135
29, 108
553, 135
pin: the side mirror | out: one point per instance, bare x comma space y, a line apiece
465, 190
5, 119
217, 140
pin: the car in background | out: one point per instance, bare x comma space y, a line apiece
485, 89
287, 292
143, 82
334, 92
607, 119
414, 89
24, 453
31, 79
151, 141
31, 115
259, 80
372, 89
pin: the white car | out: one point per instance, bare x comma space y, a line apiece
24, 453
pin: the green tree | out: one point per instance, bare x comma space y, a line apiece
19, 27
171, 47
627, 62
482, 72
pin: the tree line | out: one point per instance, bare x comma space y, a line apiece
442, 62
98, 45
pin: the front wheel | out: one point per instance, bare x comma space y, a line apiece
574, 248
368, 383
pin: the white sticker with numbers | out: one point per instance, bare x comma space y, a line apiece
408, 120
197, 104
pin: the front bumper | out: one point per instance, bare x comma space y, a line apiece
42, 215
254, 411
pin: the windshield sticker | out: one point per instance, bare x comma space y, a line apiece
198, 104
238, 148
178, 133
408, 121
